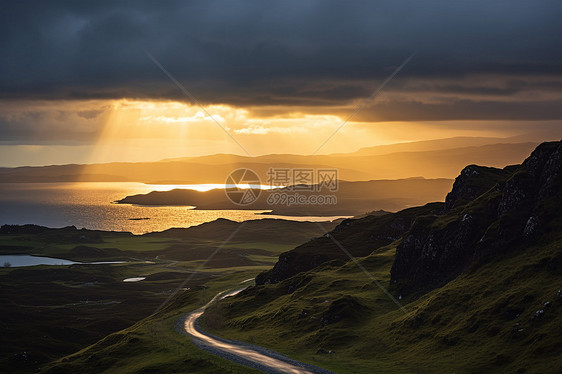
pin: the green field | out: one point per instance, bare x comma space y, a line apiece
51, 311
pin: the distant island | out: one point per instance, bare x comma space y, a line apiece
353, 198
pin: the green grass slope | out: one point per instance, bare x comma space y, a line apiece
494, 305
154, 345
52, 311
483, 321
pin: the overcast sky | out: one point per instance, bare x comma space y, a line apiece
474, 60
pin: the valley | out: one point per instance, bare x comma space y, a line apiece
69, 307
477, 282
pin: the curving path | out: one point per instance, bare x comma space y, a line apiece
246, 354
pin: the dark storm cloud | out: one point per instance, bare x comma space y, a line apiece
462, 110
42, 122
276, 53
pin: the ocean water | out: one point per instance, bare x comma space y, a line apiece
90, 205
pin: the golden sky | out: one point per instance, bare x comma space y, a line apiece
91, 82
141, 130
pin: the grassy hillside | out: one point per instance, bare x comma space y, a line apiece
480, 322
154, 345
479, 281
52, 311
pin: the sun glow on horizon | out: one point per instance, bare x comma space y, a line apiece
166, 129
204, 187
126, 130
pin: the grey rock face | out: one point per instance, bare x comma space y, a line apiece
438, 248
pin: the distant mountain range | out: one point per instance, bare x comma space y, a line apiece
442, 158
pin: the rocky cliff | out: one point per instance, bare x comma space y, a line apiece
488, 211
359, 236
475, 282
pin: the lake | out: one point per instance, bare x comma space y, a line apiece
28, 260
90, 205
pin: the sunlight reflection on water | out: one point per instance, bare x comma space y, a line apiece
88, 204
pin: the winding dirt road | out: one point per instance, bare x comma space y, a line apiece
246, 354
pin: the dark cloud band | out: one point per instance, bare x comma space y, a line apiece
307, 53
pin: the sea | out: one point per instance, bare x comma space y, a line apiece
91, 205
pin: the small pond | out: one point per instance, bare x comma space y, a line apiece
136, 279
29, 260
